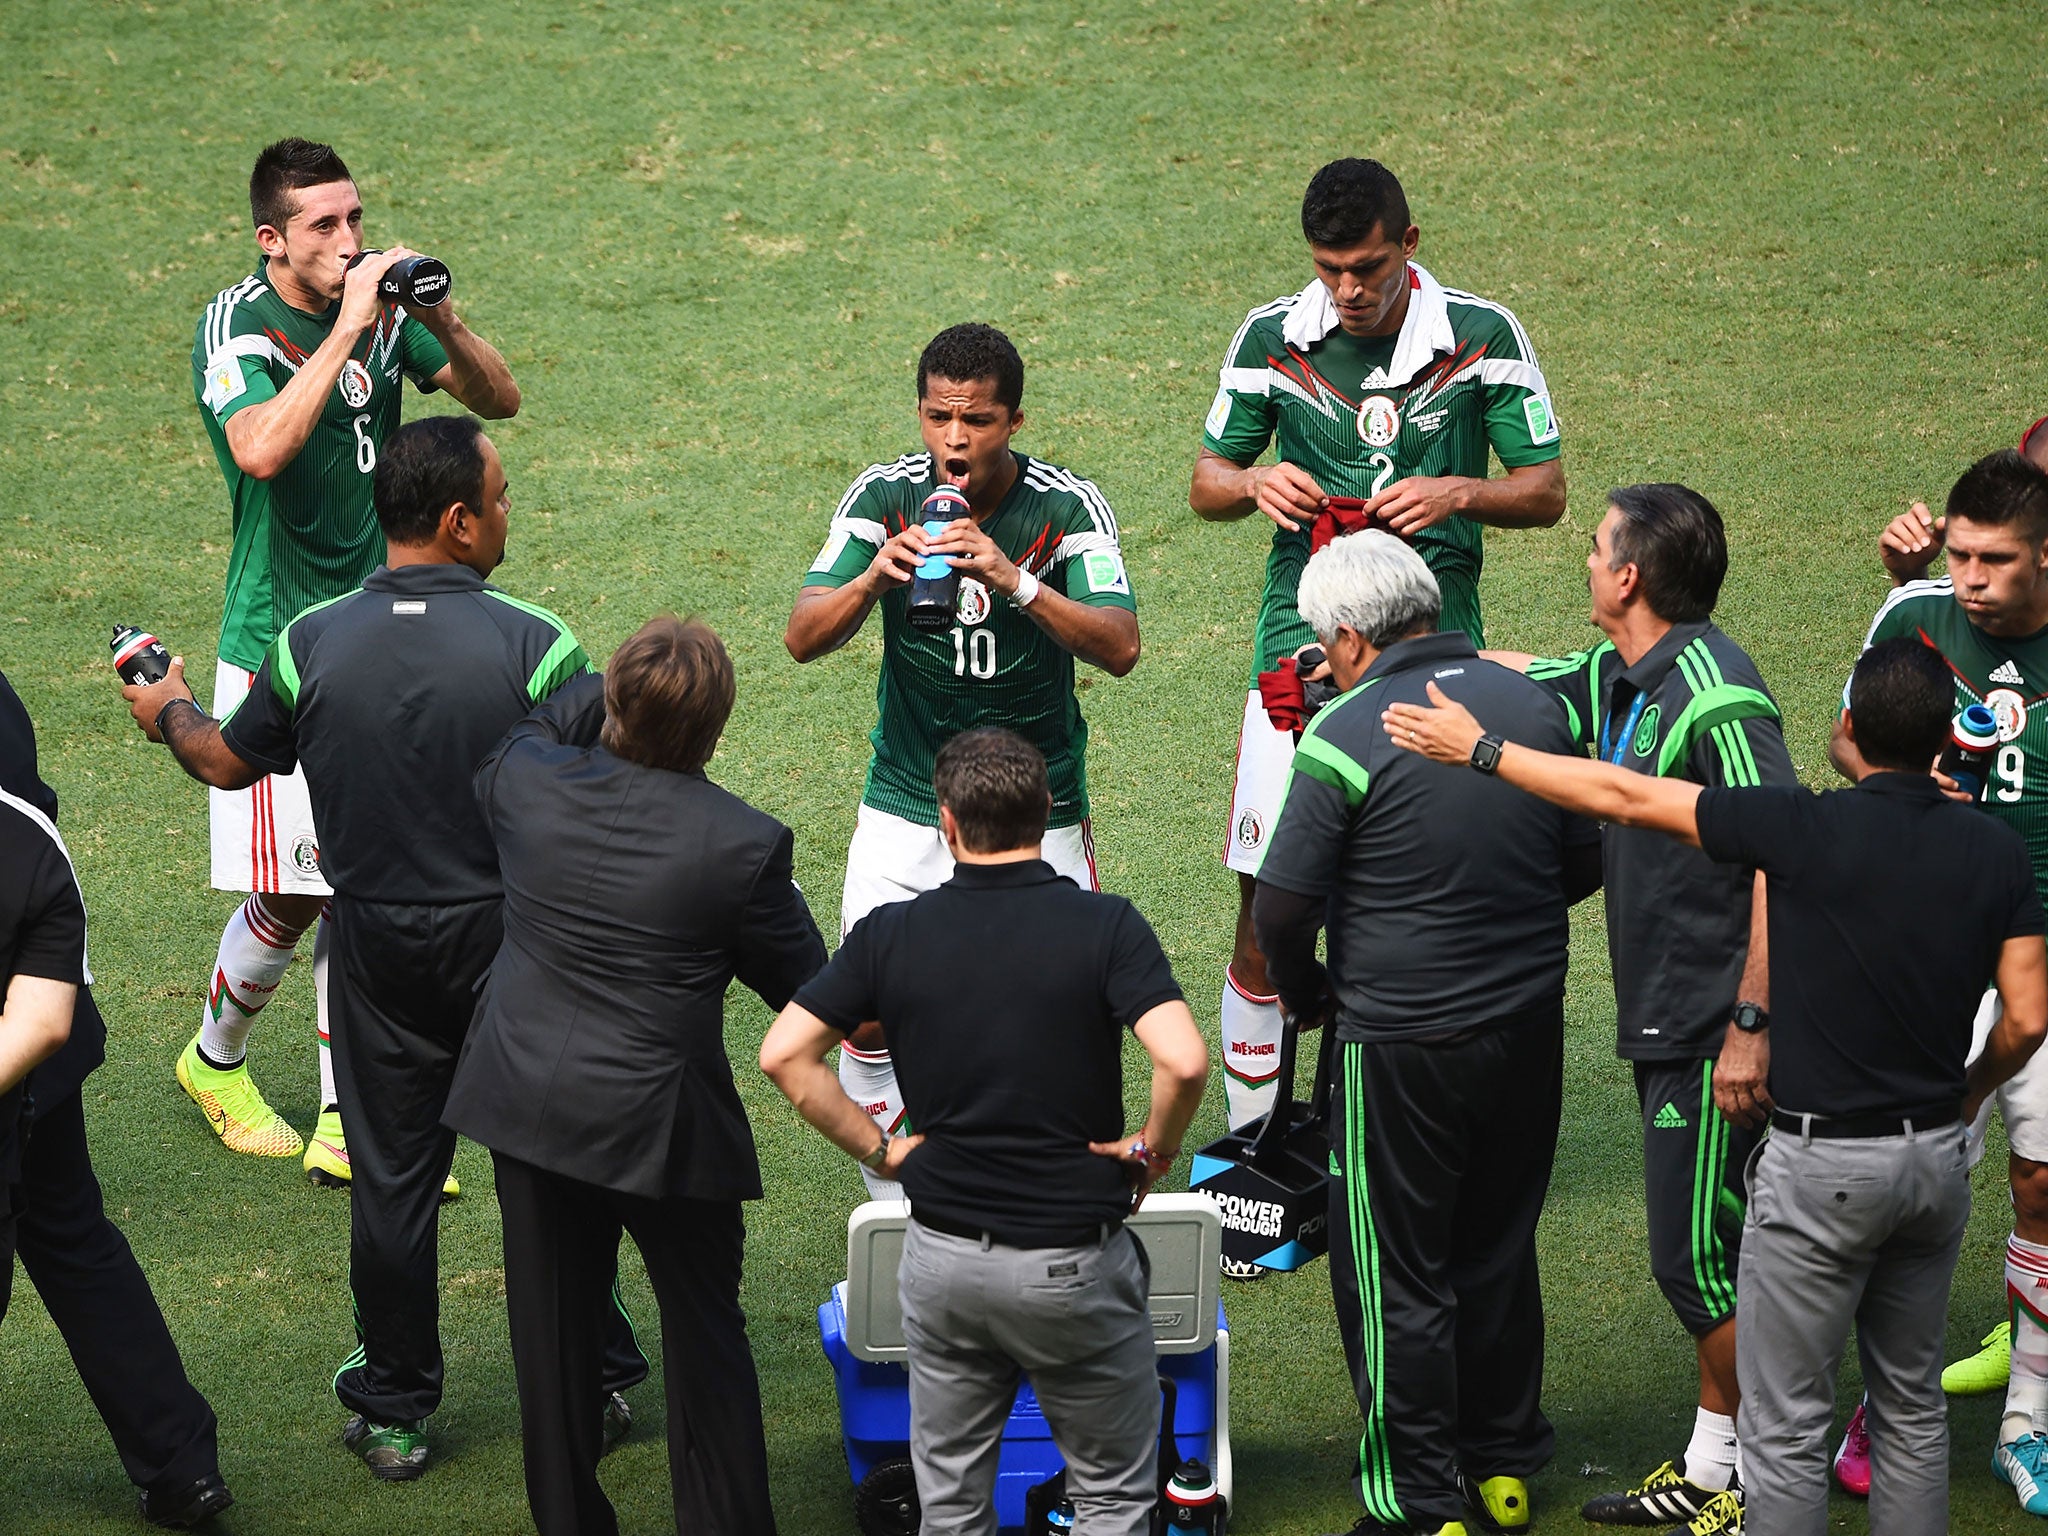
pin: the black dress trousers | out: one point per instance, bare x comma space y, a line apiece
561, 1256
403, 993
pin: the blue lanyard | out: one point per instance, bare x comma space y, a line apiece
1614, 751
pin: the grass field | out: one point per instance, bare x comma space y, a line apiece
1788, 253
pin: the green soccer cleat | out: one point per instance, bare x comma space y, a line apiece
326, 1161
1496, 1503
394, 1453
234, 1108
1986, 1371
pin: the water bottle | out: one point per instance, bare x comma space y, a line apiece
139, 656
935, 589
1193, 1507
1968, 753
1060, 1518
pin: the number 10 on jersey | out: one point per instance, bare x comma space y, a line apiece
974, 652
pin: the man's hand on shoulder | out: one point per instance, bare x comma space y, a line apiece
1910, 543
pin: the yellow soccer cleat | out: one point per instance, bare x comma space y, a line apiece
1986, 1371
234, 1108
1497, 1503
326, 1161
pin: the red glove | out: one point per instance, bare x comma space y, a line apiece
1340, 515
1280, 691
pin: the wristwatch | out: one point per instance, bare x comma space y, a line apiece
1486, 752
874, 1160
1751, 1018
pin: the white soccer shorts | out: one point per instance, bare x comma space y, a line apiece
263, 837
2023, 1100
1264, 757
891, 859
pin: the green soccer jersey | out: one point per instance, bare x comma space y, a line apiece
995, 666
1360, 413
2009, 676
310, 532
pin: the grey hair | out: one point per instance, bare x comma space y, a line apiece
1372, 582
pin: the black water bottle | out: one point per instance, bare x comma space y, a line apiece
418, 282
139, 656
935, 588
1193, 1505
1970, 745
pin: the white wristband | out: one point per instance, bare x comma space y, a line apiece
1027, 589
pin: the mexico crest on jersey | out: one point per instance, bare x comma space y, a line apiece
2011, 711
1379, 421
972, 604
355, 384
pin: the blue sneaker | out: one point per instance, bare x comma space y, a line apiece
2024, 1464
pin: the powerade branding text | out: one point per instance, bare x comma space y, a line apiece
1261, 1218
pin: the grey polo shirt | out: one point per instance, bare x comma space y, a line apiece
1445, 887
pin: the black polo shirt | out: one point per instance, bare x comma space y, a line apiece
42, 933
1888, 906
391, 696
1004, 995
1692, 707
1446, 897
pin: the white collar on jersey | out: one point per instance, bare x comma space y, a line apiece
1424, 333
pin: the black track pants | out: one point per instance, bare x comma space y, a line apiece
1442, 1155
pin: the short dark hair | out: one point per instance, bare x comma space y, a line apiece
284, 168
1673, 537
1902, 697
1348, 199
667, 695
994, 783
426, 466
2003, 489
965, 353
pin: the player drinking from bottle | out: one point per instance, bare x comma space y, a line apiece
296, 369
1042, 582
1989, 619
1379, 384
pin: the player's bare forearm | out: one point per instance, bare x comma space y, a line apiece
476, 373
196, 742
1220, 490
1531, 496
1102, 637
825, 618
265, 438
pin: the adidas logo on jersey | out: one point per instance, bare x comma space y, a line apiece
1669, 1119
2008, 672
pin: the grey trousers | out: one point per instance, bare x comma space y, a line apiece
1840, 1232
1075, 1321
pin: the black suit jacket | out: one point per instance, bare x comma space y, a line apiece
633, 897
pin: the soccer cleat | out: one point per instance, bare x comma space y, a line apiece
2024, 1464
234, 1108
1986, 1371
1496, 1503
618, 1422
1667, 1494
394, 1453
326, 1161
1852, 1461
1723, 1513
1241, 1269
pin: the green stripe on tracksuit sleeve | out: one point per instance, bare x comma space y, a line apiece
1338, 769
1719, 705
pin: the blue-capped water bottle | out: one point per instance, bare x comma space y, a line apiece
935, 588
1968, 753
1060, 1518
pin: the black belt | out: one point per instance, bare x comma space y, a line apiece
1062, 1237
1865, 1127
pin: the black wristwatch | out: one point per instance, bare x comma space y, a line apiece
1486, 752
1750, 1018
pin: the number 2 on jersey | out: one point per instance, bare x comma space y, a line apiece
972, 658
366, 451
1382, 471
